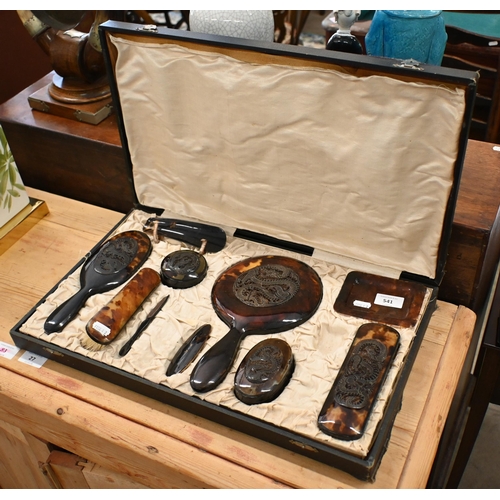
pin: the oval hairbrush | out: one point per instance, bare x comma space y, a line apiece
114, 262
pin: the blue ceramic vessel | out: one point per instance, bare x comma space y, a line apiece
407, 34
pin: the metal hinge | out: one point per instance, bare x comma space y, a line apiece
39, 105
51, 351
303, 445
409, 64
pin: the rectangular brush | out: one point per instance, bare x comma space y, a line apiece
104, 326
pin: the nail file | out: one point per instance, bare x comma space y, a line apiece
142, 327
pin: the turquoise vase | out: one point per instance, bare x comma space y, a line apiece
407, 34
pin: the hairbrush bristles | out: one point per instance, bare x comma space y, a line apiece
90, 344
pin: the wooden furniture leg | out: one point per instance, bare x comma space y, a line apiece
489, 374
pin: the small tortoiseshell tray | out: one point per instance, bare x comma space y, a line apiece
377, 298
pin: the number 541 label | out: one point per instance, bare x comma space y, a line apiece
389, 300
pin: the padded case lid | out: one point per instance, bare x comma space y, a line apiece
347, 154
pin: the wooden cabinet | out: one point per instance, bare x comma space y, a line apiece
22, 456
27, 60
78, 160
30, 462
474, 248
486, 382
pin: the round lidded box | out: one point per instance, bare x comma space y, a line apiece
183, 269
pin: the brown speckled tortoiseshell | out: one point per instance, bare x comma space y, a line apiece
264, 372
348, 405
113, 263
108, 322
258, 295
364, 287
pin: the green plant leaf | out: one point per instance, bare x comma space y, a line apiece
14, 193
12, 173
3, 182
8, 162
3, 140
4, 162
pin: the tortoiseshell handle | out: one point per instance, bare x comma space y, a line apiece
193, 233
108, 322
109, 266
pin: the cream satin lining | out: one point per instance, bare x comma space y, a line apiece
358, 167
319, 345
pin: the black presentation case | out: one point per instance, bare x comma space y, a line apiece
234, 68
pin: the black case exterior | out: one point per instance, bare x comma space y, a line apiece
364, 469
361, 468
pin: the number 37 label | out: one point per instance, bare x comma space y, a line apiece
32, 359
9, 351
389, 300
